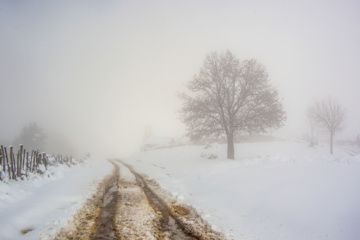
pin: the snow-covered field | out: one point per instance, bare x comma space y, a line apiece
273, 190
43, 204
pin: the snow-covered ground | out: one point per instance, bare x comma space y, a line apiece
273, 190
43, 204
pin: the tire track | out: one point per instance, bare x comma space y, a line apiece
85, 224
177, 221
105, 227
170, 227
127, 206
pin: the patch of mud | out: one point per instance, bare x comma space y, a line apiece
179, 210
26, 230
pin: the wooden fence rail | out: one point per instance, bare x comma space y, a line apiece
16, 166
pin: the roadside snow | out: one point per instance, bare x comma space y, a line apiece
273, 190
43, 204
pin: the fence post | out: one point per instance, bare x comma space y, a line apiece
23, 159
3, 158
7, 161
19, 161
32, 162
44, 160
12, 163
27, 163
38, 159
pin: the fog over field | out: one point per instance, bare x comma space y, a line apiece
95, 73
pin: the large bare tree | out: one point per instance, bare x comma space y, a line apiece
228, 97
330, 115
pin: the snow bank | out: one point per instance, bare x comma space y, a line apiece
273, 190
42, 205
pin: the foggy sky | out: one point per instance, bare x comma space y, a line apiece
98, 72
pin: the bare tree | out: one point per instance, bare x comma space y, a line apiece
228, 97
330, 115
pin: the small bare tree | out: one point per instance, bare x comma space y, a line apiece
228, 97
330, 115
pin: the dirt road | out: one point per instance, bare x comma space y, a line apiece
127, 205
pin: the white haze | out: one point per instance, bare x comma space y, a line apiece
97, 72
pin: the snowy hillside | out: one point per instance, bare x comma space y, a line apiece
273, 190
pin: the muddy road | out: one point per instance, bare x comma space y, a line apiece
128, 205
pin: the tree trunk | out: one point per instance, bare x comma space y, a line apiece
331, 142
230, 146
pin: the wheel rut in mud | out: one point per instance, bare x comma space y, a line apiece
105, 227
169, 224
127, 205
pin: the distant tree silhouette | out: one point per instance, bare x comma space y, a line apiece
32, 137
328, 114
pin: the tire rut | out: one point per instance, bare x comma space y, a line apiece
129, 206
170, 226
105, 227
86, 223
177, 220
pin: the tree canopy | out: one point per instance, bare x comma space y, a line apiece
229, 97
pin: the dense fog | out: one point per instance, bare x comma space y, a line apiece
94, 74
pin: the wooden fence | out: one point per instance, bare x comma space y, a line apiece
16, 166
